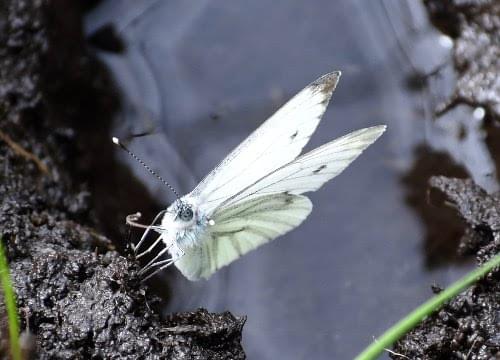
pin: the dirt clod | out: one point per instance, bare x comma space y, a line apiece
468, 326
475, 25
77, 295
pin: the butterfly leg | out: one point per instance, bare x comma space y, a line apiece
148, 229
152, 263
149, 249
163, 264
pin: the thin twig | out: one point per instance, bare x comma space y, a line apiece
472, 347
392, 352
396, 354
19, 150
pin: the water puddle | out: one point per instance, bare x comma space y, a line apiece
207, 73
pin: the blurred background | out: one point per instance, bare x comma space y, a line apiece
205, 74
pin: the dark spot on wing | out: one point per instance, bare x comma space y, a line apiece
319, 169
294, 135
325, 101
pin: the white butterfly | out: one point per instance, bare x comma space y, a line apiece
255, 194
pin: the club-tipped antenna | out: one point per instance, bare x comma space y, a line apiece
120, 144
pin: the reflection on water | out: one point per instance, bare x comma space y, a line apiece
207, 73
443, 227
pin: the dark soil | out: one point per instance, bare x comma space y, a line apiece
475, 27
468, 327
78, 298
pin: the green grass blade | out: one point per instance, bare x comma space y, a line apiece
10, 303
387, 339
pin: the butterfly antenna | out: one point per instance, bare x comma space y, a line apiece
120, 144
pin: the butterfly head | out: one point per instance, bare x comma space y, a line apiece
185, 212
181, 215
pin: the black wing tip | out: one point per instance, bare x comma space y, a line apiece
327, 83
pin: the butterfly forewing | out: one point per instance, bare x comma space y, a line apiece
275, 143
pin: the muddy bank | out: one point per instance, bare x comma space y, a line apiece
77, 295
468, 327
474, 26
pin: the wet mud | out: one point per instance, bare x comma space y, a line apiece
468, 327
474, 25
78, 297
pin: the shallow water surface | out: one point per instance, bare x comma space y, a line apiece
207, 73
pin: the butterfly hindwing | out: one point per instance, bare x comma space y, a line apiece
311, 170
240, 228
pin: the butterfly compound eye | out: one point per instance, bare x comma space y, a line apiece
186, 214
